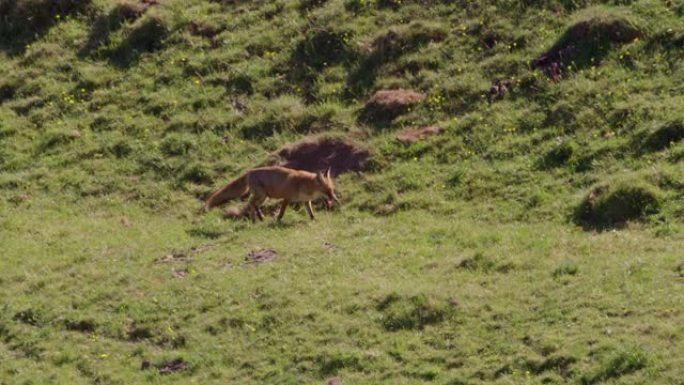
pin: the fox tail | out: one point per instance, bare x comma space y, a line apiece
235, 189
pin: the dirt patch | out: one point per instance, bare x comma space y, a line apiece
334, 381
184, 255
413, 135
385, 105
319, 154
126, 222
181, 273
175, 366
174, 257
236, 213
258, 257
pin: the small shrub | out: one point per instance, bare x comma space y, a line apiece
614, 203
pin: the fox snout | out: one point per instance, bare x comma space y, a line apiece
332, 200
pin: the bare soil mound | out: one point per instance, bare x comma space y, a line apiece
413, 135
258, 257
385, 105
318, 154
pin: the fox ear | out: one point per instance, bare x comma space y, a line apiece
327, 174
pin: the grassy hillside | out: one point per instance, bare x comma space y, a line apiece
534, 239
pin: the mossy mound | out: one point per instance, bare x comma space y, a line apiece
24, 20
614, 203
664, 135
145, 35
416, 312
589, 39
557, 156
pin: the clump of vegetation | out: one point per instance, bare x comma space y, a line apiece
616, 202
288, 114
322, 47
567, 268
618, 365
415, 312
664, 135
145, 35
558, 155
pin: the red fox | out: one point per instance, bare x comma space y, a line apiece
276, 182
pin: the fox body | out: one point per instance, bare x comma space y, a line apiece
279, 183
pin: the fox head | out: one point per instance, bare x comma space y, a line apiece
327, 186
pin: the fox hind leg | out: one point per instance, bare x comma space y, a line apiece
255, 203
283, 206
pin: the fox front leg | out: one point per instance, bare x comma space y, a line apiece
309, 210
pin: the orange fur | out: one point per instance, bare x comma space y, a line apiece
279, 183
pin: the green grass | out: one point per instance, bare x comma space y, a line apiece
414, 298
537, 240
